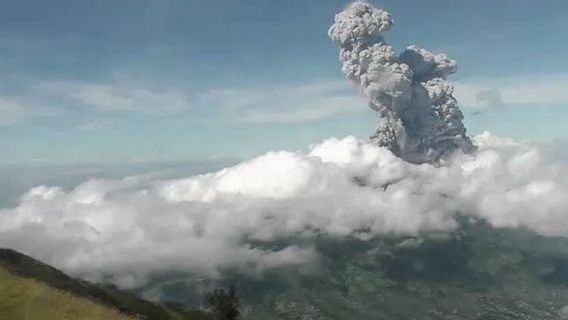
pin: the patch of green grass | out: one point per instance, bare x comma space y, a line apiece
30, 289
29, 299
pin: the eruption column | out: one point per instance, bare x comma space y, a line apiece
420, 120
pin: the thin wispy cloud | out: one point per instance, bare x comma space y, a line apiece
96, 124
275, 103
535, 90
310, 111
14, 110
11, 111
117, 98
296, 102
284, 103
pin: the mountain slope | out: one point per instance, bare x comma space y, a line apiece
475, 273
25, 298
30, 289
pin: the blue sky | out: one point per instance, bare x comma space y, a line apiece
137, 81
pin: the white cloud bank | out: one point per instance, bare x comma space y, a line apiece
128, 229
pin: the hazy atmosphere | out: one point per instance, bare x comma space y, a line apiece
149, 142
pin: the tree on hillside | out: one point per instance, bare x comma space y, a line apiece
224, 304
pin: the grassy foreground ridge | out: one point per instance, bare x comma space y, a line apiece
32, 290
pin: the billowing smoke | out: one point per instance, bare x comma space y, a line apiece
419, 117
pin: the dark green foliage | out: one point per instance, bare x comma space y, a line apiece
473, 273
224, 304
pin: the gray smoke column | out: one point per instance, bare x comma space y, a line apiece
420, 120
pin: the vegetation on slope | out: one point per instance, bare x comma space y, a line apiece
29, 287
24, 298
475, 273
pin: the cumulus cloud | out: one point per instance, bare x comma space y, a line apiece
420, 120
125, 230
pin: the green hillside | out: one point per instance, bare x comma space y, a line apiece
474, 273
32, 290
25, 298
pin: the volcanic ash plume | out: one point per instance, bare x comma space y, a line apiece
420, 120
